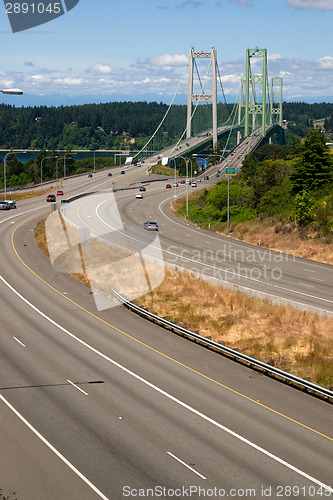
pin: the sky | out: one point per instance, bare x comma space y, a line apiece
111, 50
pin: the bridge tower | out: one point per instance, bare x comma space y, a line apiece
202, 97
276, 91
256, 108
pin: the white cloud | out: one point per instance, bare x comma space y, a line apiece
311, 4
245, 3
69, 81
6, 83
274, 57
165, 60
326, 62
99, 68
38, 78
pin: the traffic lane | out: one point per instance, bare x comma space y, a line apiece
242, 265
146, 369
48, 418
84, 294
30, 469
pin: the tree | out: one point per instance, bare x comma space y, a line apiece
314, 167
304, 207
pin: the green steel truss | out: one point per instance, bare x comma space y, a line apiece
252, 107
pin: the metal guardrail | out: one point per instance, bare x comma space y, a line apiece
282, 375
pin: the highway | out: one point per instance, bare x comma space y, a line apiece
102, 404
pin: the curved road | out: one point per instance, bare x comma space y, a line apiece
106, 405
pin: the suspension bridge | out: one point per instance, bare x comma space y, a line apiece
256, 116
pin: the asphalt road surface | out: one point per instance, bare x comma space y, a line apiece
103, 404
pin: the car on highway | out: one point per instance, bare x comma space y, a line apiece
193, 184
11, 203
206, 178
138, 164
182, 181
90, 175
142, 188
151, 226
51, 197
168, 186
175, 184
60, 192
139, 195
122, 172
4, 205
109, 174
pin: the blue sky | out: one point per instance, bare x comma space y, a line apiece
104, 50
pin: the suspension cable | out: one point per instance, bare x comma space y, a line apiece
166, 113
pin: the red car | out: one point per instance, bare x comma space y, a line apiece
60, 193
168, 186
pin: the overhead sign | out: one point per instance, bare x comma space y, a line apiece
129, 160
230, 171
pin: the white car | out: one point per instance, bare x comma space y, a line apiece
139, 195
193, 184
11, 203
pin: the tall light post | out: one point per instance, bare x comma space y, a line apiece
175, 181
8, 92
65, 161
228, 205
57, 169
41, 169
4, 172
187, 180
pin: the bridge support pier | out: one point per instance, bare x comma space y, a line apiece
255, 108
202, 97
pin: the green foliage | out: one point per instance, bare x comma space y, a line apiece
314, 167
304, 204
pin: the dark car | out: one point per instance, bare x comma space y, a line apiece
4, 205
51, 197
206, 178
142, 188
90, 175
122, 172
182, 181
151, 226
109, 174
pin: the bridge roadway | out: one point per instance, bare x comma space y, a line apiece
121, 403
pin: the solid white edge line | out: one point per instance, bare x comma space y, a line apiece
17, 340
77, 387
183, 463
167, 395
52, 448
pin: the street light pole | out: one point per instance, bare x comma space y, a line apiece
228, 206
65, 162
8, 92
41, 169
186, 161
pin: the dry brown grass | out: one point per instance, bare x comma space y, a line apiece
284, 238
12, 195
287, 338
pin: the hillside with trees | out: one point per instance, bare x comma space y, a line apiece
291, 186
